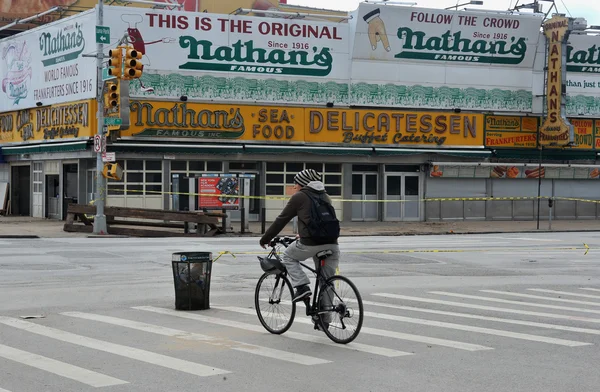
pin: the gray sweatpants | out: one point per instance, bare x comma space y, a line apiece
297, 252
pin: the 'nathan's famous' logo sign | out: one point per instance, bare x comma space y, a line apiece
63, 45
453, 47
181, 121
244, 57
585, 60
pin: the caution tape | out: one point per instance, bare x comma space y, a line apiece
432, 199
585, 248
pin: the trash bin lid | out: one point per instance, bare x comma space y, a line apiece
196, 257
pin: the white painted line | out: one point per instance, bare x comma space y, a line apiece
477, 317
117, 349
4, 390
389, 334
231, 344
565, 293
589, 288
488, 331
506, 301
63, 369
572, 301
492, 308
386, 352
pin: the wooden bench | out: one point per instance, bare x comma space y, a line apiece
207, 223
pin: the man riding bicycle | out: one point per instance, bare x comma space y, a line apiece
309, 196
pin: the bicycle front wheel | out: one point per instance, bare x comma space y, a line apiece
340, 309
273, 302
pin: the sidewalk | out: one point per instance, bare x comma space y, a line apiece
15, 226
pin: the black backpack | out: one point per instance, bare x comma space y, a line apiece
323, 227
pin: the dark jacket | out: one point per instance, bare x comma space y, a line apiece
299, 205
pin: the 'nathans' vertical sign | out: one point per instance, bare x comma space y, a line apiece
556, 129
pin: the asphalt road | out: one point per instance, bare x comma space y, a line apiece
494, 313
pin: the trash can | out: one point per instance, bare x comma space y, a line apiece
191, 274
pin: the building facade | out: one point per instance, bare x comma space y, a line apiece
409, 113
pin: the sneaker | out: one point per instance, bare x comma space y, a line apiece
301, 293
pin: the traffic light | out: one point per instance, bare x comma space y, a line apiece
133, 64
112, 171
112, 95
116, 62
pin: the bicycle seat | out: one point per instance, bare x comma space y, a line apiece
322, 255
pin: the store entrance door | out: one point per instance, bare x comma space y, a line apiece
70, 186
52, 196
364, 188
252, 204
21, 190
405, 187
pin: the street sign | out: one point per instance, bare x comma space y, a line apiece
112, 121
102, 34
97, 143
109, 157
105, 75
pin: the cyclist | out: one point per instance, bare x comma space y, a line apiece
305, 182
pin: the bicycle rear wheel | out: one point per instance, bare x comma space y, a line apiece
273, 302
340, 309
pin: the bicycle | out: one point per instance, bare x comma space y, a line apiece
330, 311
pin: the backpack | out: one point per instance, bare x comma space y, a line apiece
323, 227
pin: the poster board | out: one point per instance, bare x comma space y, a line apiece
218, 192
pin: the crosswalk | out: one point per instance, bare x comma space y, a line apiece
450, 320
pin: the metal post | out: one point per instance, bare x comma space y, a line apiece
539, 186
551, 206
263, 219
100, 218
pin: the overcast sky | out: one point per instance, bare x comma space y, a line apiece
590, 9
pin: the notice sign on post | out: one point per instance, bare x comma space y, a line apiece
556, 129
218, 191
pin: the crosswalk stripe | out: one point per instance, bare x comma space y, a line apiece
239, 346
63, 369
113, 348
589, 289
483, 307
4, 390
506, 301
389, 334
566, 293
488, 331
477, 317
289, 334
572, 301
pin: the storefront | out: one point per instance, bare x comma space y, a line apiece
390, 126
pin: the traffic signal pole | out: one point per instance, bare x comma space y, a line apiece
100, 218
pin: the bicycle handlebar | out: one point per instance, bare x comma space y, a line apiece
285, 241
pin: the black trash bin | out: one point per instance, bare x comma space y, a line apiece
191, 273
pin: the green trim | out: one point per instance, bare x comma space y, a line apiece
149, 148
46, 148
547, 155
308, 150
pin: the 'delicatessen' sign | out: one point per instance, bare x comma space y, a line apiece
67, 121
556, 129
373, 127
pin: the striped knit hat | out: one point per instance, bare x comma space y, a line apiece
306, 176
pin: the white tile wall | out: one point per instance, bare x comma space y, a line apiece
4, 172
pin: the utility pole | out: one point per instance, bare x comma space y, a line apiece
100, 218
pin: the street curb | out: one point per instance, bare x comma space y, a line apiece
109, 236
24, 236
389, 234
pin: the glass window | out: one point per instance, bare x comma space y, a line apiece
411, 186
153, 165
333, 167
275, 178
242, 166
294, 167
315, 166
275, 190
153, 177
178, 165
357, 184
135, 188
153, 189
135, 165
334, 190
196, 166
134, 177
289, 179
393, 185
214, 166
115, 189
275, 166
364, 168
401, 168
333, 179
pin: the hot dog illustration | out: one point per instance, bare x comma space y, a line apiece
536, 173
498, 171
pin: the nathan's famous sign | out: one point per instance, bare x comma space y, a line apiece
439, 35
180, 41
556, 129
